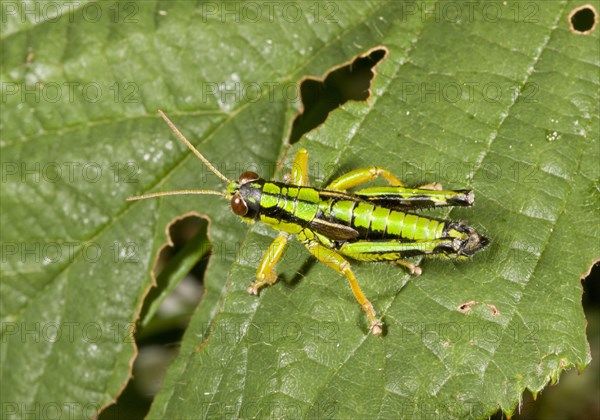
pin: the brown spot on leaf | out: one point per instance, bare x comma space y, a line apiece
466, 307
493, 309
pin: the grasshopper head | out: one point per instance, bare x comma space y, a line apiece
245, 195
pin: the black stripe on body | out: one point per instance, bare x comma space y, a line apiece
338, 216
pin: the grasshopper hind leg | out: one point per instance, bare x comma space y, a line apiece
396, 251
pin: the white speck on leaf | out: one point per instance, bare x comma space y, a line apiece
552, 136
353, 131
157, 156
93, 349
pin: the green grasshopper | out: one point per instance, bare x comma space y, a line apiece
371, 224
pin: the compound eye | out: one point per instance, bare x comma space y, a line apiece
248, 177
238, 205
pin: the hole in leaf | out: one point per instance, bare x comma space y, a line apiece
178, 266
591, 288
583, 19
348, 82
166, 312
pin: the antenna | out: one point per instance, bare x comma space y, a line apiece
192, 148
199, 155
176, 192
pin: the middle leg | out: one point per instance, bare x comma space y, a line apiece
360, 176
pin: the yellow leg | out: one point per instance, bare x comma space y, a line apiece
362, 175
413, 269
299, 175
435, 186
265, 274
339, 264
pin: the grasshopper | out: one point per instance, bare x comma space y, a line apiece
371, 224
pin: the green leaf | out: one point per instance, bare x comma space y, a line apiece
507, 106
